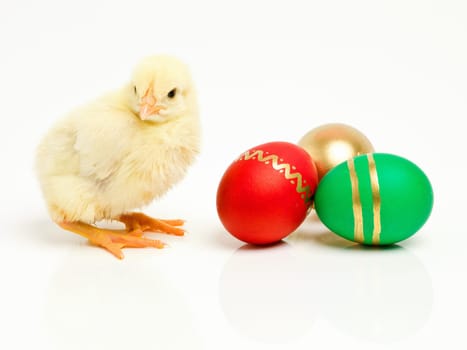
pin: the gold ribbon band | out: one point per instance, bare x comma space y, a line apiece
293, 176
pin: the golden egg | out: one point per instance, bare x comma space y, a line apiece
332, 144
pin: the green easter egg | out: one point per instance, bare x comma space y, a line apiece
374, 199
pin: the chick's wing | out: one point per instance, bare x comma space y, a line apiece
101, 142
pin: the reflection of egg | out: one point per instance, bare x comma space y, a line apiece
266, 193
105, 305
379, 295
266, 295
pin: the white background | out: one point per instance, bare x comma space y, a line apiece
396, 70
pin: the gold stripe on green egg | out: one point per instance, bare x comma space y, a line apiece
356, 203
376, 199
366, 202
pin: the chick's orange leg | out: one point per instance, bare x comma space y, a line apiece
112, 240
142, 222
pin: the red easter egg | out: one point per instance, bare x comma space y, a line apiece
266, 193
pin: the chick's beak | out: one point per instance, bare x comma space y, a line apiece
148, 105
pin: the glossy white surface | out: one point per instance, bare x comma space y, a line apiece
396, 70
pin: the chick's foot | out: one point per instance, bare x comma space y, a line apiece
112, 240
139, 222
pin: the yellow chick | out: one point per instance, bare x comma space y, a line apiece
120, 152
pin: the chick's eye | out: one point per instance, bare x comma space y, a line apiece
134, 88
172, 93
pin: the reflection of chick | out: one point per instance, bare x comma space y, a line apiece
120, 152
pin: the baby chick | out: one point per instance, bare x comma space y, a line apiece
120, 152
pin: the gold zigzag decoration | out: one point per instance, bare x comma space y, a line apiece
304, 191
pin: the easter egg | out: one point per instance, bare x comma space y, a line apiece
332, 144
266, 193
374, 199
